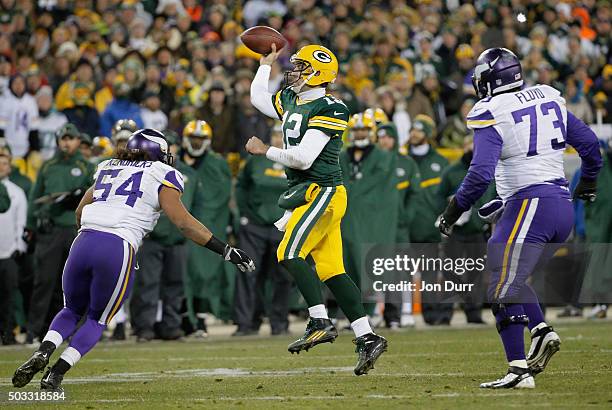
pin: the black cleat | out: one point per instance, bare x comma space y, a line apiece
317, 331
545, 342
52, 380
24, 373
369, 348
119, 332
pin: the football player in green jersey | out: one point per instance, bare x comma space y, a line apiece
313, 124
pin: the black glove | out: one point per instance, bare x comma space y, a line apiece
239, 258
234, 255
72, 200
449, 217
586, 190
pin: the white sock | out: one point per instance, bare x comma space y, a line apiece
54, 337
361, 326
71, 355
538, 327
318, 312
519, 363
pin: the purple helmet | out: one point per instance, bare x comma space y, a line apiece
497, 70
153, 143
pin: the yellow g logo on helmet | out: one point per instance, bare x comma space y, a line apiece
322, 62
197, 128
322, 56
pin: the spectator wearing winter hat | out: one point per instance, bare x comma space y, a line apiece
18, 111
386, 61
220, 114
120, 108
178, 80
86, 147
576, 102
455, 131
358, 74
153, 83
84, 75
465, 63
105, 94
152, 115
35, 79
48, 122
82, 112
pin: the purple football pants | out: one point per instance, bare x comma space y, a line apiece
525, 235
96, 281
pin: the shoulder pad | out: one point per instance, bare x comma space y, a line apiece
481, 114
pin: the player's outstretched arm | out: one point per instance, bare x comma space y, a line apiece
584, 140
170, 202
261, 98
487, 150
86, 200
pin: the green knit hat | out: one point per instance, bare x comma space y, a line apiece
86, 139
424, 123
388, 129
68, 129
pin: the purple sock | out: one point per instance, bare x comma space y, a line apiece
531, 306
512, 334
87, 336
65, 322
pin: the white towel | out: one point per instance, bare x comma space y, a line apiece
281, 224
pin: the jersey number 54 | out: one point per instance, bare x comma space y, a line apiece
130, 187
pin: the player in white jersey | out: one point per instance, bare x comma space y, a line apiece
115, 214
519, 138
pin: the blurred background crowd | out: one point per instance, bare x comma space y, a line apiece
78, 76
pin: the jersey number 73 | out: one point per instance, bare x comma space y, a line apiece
531, 113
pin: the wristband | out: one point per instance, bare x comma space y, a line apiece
215, 245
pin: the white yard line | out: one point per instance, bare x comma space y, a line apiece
250, 358
240, 373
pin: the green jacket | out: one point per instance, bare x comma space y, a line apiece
58, 174
598, 214
427, 208
260, 183
211, 207
372, 212
408, 185
451, 180
598, 224
165, 232
23, 182
5, 200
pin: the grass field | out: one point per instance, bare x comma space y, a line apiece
432, 368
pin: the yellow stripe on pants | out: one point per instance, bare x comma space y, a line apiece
509, 243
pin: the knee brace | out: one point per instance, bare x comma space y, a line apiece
505, 315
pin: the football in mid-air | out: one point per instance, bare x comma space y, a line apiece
260, 39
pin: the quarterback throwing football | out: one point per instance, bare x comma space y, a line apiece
519, 139
313, 123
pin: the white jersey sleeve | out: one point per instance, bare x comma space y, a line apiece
532, 124
125, 197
